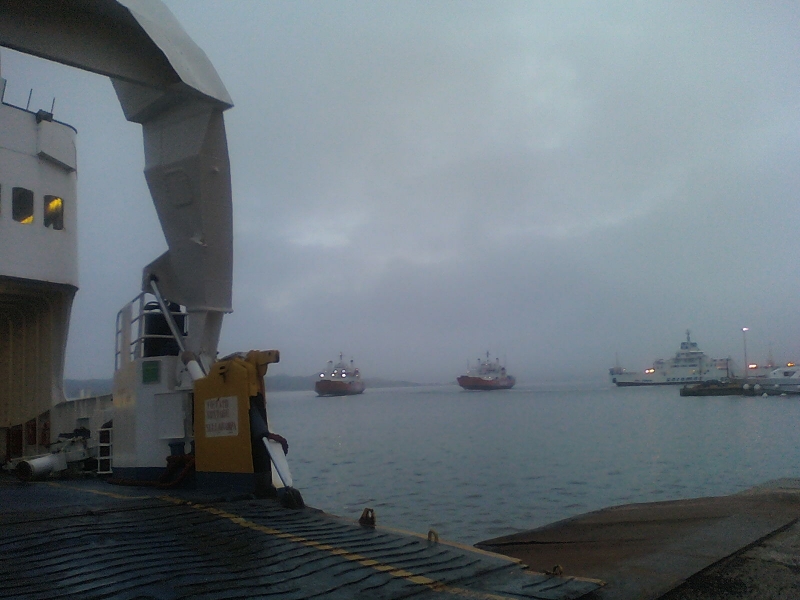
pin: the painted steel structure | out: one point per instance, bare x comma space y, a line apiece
168, 85
38, 270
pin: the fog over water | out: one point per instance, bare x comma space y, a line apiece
418, 182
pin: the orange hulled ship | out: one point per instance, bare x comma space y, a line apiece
486, 375
339, 379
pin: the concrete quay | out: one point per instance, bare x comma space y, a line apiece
743, 546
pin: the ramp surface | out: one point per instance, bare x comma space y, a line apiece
90, 540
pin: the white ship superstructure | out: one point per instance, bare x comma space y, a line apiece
170, 88
38, 270
689, 365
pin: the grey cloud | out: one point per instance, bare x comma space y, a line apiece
417, 182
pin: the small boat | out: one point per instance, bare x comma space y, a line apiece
486, 375
783, 380
339, 379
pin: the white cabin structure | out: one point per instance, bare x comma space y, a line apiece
38, 271
165, 83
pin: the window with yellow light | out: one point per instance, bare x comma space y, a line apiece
54, 212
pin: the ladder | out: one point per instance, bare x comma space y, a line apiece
104, 451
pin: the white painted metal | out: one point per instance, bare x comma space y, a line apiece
280, 463
38, 268
35, 468
168, 86
32, 251
152, 402
194, 370
141, 437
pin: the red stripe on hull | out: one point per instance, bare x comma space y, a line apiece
479, 383
338, 388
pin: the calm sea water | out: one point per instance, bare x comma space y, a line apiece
477, 465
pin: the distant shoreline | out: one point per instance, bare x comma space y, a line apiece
82, 388
293, 383
78, 388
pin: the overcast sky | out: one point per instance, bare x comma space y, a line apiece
416, 183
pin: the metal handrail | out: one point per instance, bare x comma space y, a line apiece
137, 325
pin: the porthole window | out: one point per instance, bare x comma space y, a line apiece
54, 212
22, 205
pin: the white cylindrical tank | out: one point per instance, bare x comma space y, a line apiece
42, 466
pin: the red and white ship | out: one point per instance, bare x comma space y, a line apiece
339, 379
487, 375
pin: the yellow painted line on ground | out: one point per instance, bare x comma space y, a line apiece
99, 493
436, 586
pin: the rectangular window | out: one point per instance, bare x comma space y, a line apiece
22, 205
54, 212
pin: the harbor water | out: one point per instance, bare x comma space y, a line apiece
477, 465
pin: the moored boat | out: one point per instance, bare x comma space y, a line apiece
714, 387
486, 375
339, 379
783, 380
689, 365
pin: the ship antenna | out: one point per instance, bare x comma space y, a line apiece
687, 336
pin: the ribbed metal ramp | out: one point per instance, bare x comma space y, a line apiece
127, 544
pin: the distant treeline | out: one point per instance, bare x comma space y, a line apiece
79, 388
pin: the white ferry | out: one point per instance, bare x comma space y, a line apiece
689, 365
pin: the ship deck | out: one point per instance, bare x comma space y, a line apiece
85, 538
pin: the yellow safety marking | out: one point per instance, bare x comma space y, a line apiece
436, 586
99, 493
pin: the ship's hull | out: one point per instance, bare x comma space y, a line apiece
716, 389
637, 382
674, 377
327, 387
482, 383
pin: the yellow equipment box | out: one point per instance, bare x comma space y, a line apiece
221, 412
